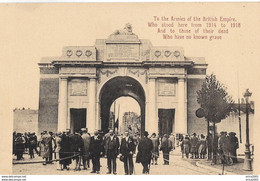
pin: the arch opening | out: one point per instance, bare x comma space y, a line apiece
121, 86
125, 115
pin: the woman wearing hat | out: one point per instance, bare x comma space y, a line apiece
202, 147
186, 146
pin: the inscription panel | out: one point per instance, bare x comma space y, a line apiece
77, 70
166, 88
123, 51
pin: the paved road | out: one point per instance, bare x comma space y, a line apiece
178, 166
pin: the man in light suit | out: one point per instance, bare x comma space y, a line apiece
86, 143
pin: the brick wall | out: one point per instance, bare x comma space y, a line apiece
48, 104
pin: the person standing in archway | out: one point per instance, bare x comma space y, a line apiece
112, 150
144, 154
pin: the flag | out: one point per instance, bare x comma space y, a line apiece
129, 128
116, 124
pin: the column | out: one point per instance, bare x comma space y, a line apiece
98, 119
152, 123
63, 104
181, 121
91, 121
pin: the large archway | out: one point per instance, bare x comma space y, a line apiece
118, 87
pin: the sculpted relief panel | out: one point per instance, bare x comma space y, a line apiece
166, 88
78, 87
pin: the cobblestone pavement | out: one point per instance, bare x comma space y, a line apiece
178, 166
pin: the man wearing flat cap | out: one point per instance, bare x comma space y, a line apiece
144, 154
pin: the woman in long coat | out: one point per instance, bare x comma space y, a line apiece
202, 147
186, 146
166, 148
144, 154
46, 141
155, 151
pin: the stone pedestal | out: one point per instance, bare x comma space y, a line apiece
63, 104
91, 117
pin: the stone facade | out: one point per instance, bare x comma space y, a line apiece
90, 78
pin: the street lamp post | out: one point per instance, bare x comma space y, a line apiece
247, 161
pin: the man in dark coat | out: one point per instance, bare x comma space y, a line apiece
52, 146
19, 145
155, 151
144, 154
65, 149
166, 147
234, 145
194, 143
96, 149
77, 148
32, 144
127, 150
112, 150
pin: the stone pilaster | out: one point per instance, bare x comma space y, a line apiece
63, 104
91, 120
181, 121
152, 123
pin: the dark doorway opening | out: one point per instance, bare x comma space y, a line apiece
78, 119
166, 121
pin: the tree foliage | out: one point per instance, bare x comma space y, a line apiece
214, 99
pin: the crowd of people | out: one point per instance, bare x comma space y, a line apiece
64, 147
196, 146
